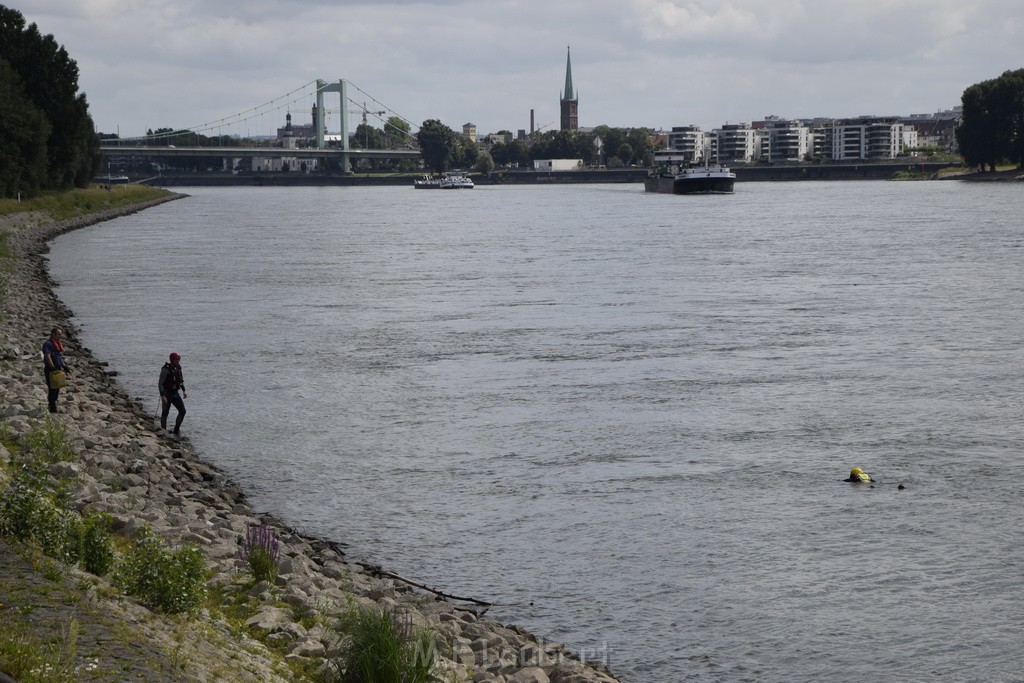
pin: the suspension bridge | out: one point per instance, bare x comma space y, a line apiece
247, 130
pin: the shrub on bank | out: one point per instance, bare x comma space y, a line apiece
35, 508
383, 647
47, 442
172, 581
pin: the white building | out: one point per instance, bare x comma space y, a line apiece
783, 140
867, 137
688, 143
557, 164
735, 143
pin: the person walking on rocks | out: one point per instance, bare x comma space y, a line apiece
53, 360
171, 383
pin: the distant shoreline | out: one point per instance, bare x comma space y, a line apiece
744, 173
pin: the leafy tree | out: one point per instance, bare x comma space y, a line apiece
396, 130
626, 153
611, 139
49, 79
510, 153
484, 163
437, 145
466, 152
368, 137
23, 134
639, 140
992, 126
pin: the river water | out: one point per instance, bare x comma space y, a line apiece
623, 417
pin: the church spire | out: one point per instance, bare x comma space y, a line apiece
569, 104
569, 94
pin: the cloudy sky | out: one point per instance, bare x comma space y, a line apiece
656, 63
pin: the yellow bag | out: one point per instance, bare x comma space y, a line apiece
58, 380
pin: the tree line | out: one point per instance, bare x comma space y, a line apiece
443, 149
47, 138
991, 129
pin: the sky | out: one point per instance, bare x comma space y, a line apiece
147, 64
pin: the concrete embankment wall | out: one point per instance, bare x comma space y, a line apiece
831, 171
744, 173
140, 475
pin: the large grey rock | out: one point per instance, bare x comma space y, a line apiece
270, 619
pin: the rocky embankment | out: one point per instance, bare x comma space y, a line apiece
140, 476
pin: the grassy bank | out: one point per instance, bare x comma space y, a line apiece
74, 203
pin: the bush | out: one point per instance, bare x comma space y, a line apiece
171, 581
97, 547
261, 552
384, 648
48, 443
21, 507
29, 512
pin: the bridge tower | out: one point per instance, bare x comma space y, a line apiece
341, 88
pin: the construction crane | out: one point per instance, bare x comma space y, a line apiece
538, 129
364, 112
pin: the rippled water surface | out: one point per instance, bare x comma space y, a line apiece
622, 416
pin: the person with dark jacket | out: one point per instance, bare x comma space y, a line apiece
171, 383
53, 360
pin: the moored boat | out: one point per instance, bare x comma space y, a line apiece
450, 181
427, 183
456, 182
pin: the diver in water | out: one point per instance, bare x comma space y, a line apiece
859, 476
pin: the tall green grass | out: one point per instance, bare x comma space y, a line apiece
384, 648
80, 202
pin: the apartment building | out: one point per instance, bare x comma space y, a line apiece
782, 140
688, 142
735, 143
866, 138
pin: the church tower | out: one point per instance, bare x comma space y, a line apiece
569, 101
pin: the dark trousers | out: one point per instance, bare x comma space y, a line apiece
173, 398
51, 397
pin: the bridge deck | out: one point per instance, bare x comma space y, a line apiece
298, 153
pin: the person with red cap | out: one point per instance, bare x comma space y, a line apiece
171, 383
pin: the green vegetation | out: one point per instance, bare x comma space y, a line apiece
47, 138
992, 128
97, 547
437, 143
261, 552
32, 660
382, 647
173, 581
35, 507
80, 202
47, 442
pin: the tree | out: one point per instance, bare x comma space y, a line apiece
510, 154
437, 145
626, 153
639, 140
368, 137
466, 152
49, 80
611, 140
396, 130
23, 134
484, 163
992, 126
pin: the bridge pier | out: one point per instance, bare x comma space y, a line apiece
341, 88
